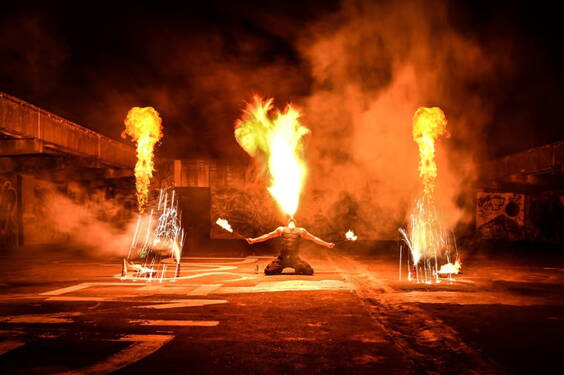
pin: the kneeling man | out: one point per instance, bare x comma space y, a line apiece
290, 247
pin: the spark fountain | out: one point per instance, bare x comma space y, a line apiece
276, 137
159, 233
428, 242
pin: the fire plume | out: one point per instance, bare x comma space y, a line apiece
144, 126
427, 239
425, 229
350, 236
277, 135
428, 125
224, 224
450, 268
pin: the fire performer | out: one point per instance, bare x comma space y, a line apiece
289, 252
276, 137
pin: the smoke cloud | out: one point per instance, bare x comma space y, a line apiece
373, 65
357, 69
98, 226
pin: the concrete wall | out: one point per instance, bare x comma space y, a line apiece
10, 211
36, 218
535, 217
240, 196
35, 211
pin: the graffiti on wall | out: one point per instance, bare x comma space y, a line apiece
500, 216
9, 221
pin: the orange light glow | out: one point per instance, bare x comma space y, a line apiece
426, 235
144, 126
277, 135
427, 240
425, 231
428, 125
224, 224
350, 236
450, 268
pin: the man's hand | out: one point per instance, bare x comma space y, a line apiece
331, 245
250, 241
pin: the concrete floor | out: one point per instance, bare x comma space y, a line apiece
63, 313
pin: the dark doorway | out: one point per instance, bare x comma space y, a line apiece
195, 205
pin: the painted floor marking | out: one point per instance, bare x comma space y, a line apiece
143, 346
177, 323
78, 299
74, 288
216, 267
6, 346
246, 260
276, 285
204, 290
213, 274
183, 303
200, 289
287, 285
65, 290
63, 317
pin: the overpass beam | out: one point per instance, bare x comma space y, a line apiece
25, 146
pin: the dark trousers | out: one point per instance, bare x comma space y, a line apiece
298, 264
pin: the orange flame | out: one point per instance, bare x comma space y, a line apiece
224, 224
428, 125
144, 126
428, 241
426, 235
277, 135
350, 236
450, 268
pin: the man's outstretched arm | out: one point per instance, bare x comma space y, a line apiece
317, 240
265, 237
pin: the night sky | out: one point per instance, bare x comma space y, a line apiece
197, 65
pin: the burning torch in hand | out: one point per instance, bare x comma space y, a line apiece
225, 225
349, 237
